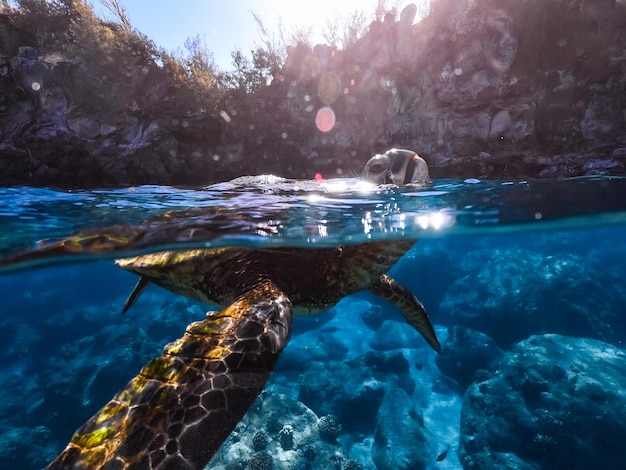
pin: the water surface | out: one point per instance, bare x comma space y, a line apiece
523, 279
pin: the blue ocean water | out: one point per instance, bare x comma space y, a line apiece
524, 281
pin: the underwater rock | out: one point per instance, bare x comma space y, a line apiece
510, 294
399, 438
18, 449
302, 351
395, 335
275, 416
387, 362
554, 402
99, 367
465, 352
374, 317
354, 399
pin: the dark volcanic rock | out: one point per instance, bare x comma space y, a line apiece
554, 402
481, 88
83, 103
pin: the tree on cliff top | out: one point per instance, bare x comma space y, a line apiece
118, 10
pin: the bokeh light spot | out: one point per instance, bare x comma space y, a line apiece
329, 87
325, 119
36, 86
225, 116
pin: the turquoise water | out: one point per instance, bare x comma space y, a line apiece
524, 281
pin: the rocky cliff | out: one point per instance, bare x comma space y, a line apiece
486, 88
480, 88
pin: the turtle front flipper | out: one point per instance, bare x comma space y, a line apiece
412, 309
183, 404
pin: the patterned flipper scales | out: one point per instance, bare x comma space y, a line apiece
183, 404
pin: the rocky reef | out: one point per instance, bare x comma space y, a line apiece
480, 88
280, 433
552, 403
518, 283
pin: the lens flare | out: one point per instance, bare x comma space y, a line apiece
325, 119
329, 87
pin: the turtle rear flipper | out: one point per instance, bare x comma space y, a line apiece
411, 308
183, 404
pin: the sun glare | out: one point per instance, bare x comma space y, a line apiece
435, 220
315, 15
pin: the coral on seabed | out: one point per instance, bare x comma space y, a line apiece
329, 426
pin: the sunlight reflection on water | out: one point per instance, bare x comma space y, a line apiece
271, 211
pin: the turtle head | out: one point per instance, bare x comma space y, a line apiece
396, 166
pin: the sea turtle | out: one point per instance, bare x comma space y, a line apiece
182, 405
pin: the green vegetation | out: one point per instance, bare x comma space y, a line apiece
72, 27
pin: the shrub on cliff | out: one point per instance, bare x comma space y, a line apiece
113, 51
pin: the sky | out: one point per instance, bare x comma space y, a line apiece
228, 25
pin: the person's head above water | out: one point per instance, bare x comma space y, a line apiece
396, 166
